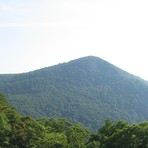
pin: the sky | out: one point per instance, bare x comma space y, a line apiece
39, 33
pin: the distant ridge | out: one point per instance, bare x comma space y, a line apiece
88, 90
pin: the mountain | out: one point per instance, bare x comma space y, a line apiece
88, 90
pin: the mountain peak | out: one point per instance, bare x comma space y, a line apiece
88, 58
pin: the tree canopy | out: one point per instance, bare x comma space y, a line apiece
18, 131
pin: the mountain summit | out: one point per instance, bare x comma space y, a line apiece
88, 90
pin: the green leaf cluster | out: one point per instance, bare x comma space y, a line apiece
121, 135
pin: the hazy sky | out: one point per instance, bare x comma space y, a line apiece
39, 33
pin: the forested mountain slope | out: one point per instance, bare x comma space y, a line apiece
87, 90
17, 131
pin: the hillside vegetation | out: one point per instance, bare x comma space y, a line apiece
88, 90
17, 131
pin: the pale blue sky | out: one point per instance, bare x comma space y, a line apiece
39, 33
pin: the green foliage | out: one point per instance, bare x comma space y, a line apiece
3, 98
121, 135
75, 134
56, 125
17, 131
5, 130
87, 91
53, 140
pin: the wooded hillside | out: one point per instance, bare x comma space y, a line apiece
88, 90
17, 131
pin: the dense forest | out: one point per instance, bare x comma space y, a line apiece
18, 131
88, 90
